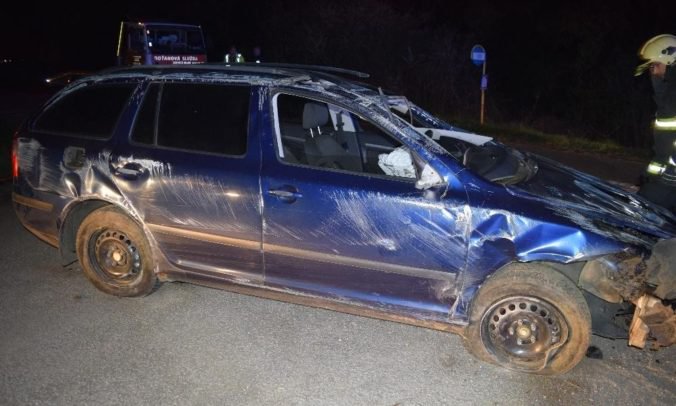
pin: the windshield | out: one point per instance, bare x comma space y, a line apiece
175, 40
415, 115
489, 159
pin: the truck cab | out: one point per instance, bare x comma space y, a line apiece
160, 43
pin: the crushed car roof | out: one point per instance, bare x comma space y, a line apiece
270, 73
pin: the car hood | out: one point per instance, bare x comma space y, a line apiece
597, 205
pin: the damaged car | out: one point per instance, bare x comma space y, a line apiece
302, 184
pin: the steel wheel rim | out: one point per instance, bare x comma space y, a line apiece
524, 331
114, 256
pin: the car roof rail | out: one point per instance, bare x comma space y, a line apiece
317, 68
210, 66
292, 72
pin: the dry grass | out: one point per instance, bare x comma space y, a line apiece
519, 134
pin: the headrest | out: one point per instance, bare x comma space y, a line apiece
315, 115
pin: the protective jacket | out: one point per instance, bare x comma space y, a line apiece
233, 58
664, 91
660, 187
665, 94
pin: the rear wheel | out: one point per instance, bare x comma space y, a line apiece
115, 254
529, 318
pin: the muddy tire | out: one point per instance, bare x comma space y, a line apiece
529, 318
114, 253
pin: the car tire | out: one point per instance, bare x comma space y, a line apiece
114, 253
529, 318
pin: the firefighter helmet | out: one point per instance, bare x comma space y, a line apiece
661, 48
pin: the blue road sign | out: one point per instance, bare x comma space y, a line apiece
478, 55
484, 82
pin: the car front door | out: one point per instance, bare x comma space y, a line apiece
358, 234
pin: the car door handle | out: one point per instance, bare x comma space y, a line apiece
286, 193
129, 171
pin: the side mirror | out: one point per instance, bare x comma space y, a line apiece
401, 163
428, 178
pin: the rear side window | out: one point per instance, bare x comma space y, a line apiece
144, 126
204, 117
91, 111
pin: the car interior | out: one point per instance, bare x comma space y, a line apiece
313, 135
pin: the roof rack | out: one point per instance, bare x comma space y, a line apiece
291, 71
317, 68
159, 21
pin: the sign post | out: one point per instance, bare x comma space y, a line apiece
478, 57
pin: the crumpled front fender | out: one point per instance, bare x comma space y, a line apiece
650, 284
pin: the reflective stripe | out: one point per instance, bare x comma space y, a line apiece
656, 168
669, 123
237, 59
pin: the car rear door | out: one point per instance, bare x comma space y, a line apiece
191, 171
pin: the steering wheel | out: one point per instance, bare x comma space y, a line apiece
482, 159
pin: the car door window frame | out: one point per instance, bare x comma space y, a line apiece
161, 83
78, 88
418, 162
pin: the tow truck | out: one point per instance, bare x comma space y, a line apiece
149, 43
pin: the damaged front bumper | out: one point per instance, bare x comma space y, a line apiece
652, 319
648, 283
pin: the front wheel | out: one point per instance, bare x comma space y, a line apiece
529, 318
114, 253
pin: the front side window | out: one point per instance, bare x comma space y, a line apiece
195, 117
91, 111
323, 135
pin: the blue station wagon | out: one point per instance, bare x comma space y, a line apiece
303, 184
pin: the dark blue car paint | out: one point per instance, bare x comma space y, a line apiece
197, 211
363, 239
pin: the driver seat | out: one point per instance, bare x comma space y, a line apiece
321, 148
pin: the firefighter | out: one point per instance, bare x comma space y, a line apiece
233, 56
659, 55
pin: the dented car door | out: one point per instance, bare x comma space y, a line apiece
191, 171
351, 233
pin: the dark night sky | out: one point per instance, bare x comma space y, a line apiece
84, 32
543, 56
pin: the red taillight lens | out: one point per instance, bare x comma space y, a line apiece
15, 160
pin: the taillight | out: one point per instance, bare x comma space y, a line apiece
15, 159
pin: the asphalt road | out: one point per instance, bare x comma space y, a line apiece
62, 342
